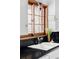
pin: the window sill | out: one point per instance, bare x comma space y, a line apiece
32, 37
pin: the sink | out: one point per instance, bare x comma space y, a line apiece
44, 46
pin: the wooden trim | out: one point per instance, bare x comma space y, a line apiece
22, 36
31, 37
41, 17
31, 34
33, 18
32, 2
46, 19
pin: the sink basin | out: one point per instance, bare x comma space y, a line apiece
44, 46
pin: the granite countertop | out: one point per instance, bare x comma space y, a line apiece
33, 53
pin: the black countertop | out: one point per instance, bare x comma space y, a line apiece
31, 53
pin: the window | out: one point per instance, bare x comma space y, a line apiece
30, 19
39, 19
36, 18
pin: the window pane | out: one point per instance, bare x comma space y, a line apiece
37, 28
37, 10
37, 20
42, 28
29, 9
29, 19
29, 28
42, 11
42, 20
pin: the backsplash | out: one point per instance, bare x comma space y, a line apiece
33, 41
55, 37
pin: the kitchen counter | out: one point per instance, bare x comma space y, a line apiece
34, 53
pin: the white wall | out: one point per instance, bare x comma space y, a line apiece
57, 8
23, 17
53, 15
56, 15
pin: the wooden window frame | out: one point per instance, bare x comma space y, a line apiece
45, 20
